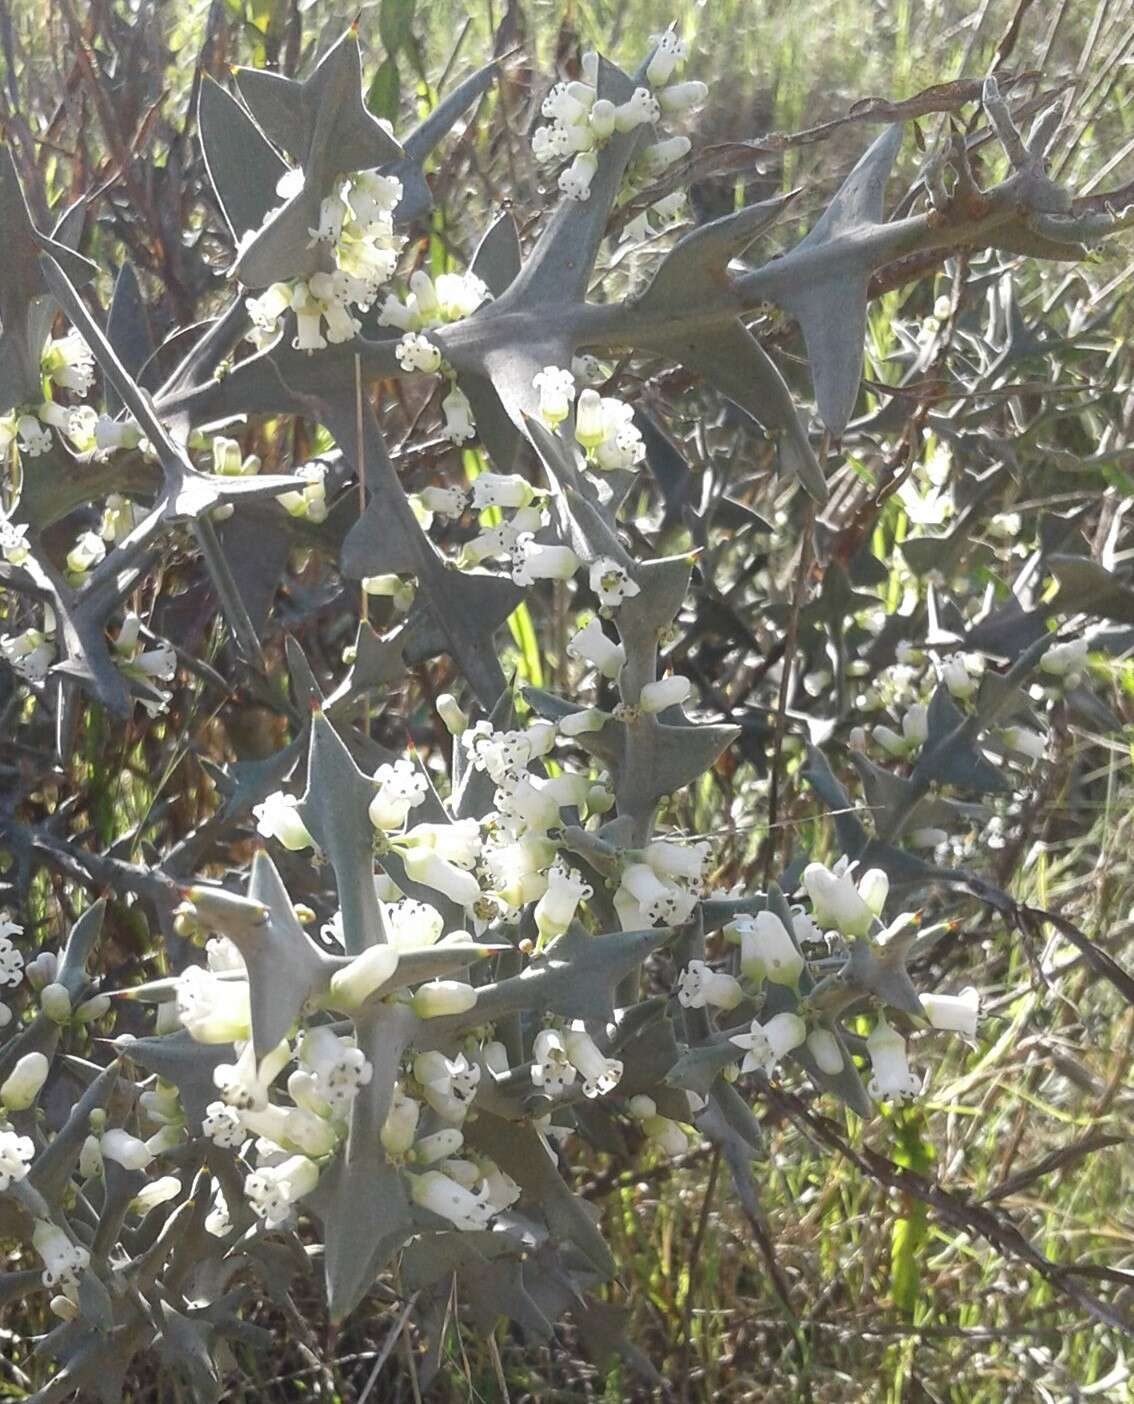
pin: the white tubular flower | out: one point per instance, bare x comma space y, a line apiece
213, 1010
458, 842
588, 368
412, 925
68, 362
308, 317
590, 645
681, 97
440, 997
590, 422
836, 900
666, 692
459, 424
874, 888
292, 1129
417, 353
556, 392
824, 1048
267, 309
663, 154
528, 804
332, 212
926, 837
441, 1145
400, 1128
30, 654
602, 119
245, 1083
1065, 659
501, 490
587, 720
678, 860
957, 1013
491, 544
575, 182
444, 501
217, 1220
222, 1125
699, 986
13, 541
424, 298
448, 1084
564, 105
460, 294
35, 438
643, 897
338, 1065
401, 787
668, 53
451, 713
957, 677
552, 1069
555, 910
16, 1154
372, 196
892, 1078
1024, 742
63, 1260
228, 457
355, 983
600, 1074
42, 970
88, 550
55, 1002
441, 1195
666, 1134
622, 445
11, 960
124, 1149
500, 1188
273, 1190
611, 582
159, 1191
278, 817
21, 1087
639, 109
550, 144
767, 1044
426, 866
532, 561
514, 868
308, 503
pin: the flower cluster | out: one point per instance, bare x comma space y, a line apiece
580, 123
356, 229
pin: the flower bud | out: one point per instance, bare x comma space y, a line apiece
55, 1002
21, 1087
367, 972
440, 997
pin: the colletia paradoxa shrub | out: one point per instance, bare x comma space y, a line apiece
382, 1034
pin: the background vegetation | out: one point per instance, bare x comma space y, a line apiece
849, 1289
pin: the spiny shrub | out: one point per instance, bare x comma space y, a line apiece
381, 1026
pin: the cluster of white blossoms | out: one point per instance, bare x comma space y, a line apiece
66, 364
604, 426
580, 123
287, 1114
356, 229
427, 305
772, 952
